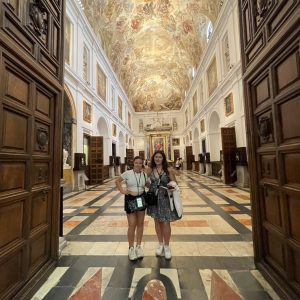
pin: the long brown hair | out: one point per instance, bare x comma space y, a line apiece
164, 162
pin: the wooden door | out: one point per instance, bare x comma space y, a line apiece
129, 158
229, 147
189, 157
31, 106
96, 163
176, 154
271, 65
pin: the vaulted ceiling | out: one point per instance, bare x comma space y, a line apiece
153, 45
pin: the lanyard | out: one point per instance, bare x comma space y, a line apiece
137, 182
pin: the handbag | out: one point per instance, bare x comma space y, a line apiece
136, 203
151, 198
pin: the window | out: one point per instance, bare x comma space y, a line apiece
68, 42
209, 31
101, 83
86, 147
86, 65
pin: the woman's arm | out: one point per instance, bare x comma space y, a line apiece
118, 182
172, 174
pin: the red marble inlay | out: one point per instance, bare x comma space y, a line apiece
155, 290
244, 197
91, 290
245, 222
71, 224
229, 208
89, 210
192, 223
221, 290
230, 191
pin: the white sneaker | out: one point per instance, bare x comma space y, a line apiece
139, 251
168, 254
159, 250
132, 254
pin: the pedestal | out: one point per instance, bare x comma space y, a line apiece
118, 171
79, 180
68, 180
208, 169
242, 176
201, 168
111, 172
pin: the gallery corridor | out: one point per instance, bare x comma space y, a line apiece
213, 237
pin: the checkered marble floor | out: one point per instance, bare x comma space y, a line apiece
214, 235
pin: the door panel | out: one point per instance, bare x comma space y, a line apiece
96, 163
271, 64
229, 148
31, 88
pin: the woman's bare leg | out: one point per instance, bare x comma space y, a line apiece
139, 226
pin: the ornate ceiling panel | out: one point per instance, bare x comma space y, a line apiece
153, 45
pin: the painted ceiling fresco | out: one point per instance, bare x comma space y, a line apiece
153, 45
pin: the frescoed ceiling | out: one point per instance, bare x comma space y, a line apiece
153, 45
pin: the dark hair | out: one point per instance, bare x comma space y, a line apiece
164, 162
138, 157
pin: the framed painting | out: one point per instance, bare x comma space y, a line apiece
101, 83
176, 142
87, 112
202, 125
120, 108
129, 120
114, 129
212, 77
228, 105
195, 104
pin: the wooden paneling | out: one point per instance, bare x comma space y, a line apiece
270, 34
30, 142
96, 163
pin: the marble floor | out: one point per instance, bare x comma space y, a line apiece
214, 238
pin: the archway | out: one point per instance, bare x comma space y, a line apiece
69, 127
103, 131
214, 136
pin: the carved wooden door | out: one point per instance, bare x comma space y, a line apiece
31, 75
96, 163
228, 148
271, 63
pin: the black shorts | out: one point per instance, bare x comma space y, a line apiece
130, 197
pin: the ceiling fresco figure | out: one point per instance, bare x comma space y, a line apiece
152, 45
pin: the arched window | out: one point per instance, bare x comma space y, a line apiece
209, 31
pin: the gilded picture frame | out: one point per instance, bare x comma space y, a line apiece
195, 104
114, 129
202, 125
87, 112
212, 76
228, 105
100, 83
120, 108
176, 142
